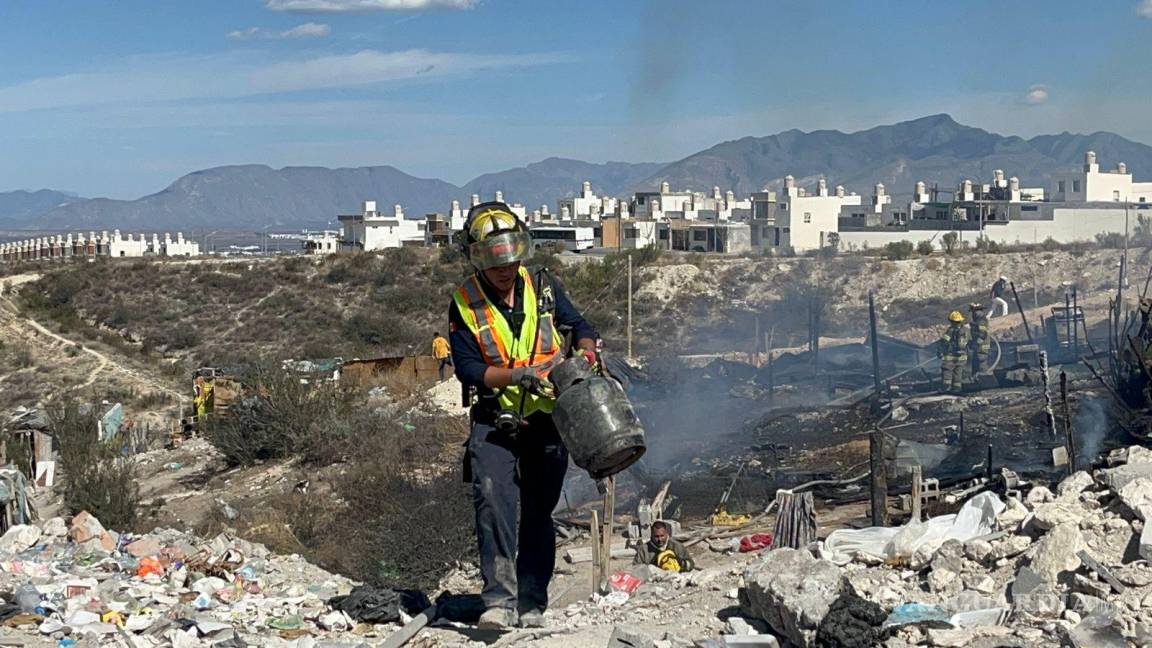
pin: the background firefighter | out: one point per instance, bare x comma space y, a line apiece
979, 343
505, 341
953, 353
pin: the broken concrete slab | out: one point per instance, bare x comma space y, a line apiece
1056, 552
1032, 594
1039, 495
792, 592
1048, 516
1010, 547
1136, 495
629, 637
1118, 477
1073, 485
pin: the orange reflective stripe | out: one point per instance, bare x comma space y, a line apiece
491, 347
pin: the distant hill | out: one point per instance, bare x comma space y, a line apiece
935, 149
18, 208
252, 196
542, 183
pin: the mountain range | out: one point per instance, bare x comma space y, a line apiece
935, 149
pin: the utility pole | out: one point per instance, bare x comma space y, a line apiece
629, 306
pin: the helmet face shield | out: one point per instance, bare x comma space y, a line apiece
500, 249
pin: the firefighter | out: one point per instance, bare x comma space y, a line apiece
505, 340
953, 354
979, 343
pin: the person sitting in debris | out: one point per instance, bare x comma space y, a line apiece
505, 335
664, 551
999, 290
979, 343
953, 353
441, 353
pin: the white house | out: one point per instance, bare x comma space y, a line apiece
1091, 185
804, 221
179, 246
372, 230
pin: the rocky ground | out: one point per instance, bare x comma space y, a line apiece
1062, 566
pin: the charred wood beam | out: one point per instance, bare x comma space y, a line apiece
1023, 317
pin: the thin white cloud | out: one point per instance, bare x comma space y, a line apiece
372, 66
1144, 8
1037, 94
159, 78
343, 6
306, 30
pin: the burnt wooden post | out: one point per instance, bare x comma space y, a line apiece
879, 478
988, 465
1023, 317
1069, 437
917, 484
875, 346
1068, 320
1075, 324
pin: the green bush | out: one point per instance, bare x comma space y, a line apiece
985, 244
94, 475
898, 250
924, 248
950, 242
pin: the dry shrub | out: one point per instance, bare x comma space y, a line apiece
278, 416
94, 475
932, 264
408, 515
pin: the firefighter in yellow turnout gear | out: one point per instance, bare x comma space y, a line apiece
979, 344
953, 353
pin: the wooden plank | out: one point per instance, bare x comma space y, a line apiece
917, 496
597, 556
579, 555
1104, 572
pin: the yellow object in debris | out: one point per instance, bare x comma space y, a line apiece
112, 617
723, 518
667, 561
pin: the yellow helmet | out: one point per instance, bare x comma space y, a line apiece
956, 316
494, 236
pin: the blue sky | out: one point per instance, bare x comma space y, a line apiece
120, 97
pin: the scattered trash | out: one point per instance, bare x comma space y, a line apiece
755, 542
624, 582
173, 465
372, 604
149, 566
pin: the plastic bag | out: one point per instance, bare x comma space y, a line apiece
976, 518
149, 566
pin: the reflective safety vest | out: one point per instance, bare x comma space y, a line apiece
954, 342
538, 342
979, 330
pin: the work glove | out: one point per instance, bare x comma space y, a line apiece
595, 361
533, 380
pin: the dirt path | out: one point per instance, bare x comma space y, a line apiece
238, 315
18, 324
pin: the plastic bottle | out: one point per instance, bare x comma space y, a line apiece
28, 597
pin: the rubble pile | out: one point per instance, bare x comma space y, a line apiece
1070, 567
64, 583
